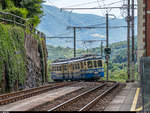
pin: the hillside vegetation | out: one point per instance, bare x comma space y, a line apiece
12, 55
28, 9
117, 62
55, 22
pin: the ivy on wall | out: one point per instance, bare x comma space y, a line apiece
12, 54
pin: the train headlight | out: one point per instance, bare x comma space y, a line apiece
95, 72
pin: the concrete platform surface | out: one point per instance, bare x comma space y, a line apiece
26, 104
125, 99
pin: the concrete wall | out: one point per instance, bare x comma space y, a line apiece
141, 28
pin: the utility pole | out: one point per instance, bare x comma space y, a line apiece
128, 40
133, 49
107, 36
74, 28
102, 48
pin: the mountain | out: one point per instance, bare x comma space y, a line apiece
118, 52
55, 22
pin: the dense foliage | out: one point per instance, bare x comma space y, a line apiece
12, 55
30, 9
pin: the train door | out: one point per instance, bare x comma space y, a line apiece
65, 72
70, 72
85, 65
82, 69
78, 70
63, 76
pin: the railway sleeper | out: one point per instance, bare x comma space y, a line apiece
92, 103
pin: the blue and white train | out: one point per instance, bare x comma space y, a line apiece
87, 67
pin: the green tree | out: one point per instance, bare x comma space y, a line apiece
34, 9
30, 9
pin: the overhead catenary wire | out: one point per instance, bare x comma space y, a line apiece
97, 1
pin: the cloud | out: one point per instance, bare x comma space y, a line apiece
97, 35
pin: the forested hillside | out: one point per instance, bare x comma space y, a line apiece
117, 63
55, 23
118, 55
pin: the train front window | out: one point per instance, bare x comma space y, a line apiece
95, 64
89, 64
99, 63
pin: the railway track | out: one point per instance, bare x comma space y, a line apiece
20, 95
86, 100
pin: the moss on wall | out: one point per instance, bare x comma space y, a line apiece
12, 54
13, 59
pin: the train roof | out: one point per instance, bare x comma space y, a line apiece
77, 59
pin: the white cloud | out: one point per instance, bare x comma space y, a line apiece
98, 35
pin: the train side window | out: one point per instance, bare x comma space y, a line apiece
54, 68
95, 64
99, 63
65, 67
82, 65
85, 63
78, 66
89, 64
60, 68
73, 66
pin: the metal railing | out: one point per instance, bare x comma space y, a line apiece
17, 20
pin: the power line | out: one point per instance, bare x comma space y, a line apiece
51, 2
81, 4
98, 3
58, 37
94, 27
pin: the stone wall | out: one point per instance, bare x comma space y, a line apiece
35, 77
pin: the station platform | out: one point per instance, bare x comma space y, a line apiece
128, 99
29, 103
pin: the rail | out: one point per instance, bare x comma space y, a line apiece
76, 98
12, 97
92, 103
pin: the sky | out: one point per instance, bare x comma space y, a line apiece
91, 3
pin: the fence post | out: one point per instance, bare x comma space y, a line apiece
14, 20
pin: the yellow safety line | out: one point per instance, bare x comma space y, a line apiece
139, 109
133, 107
